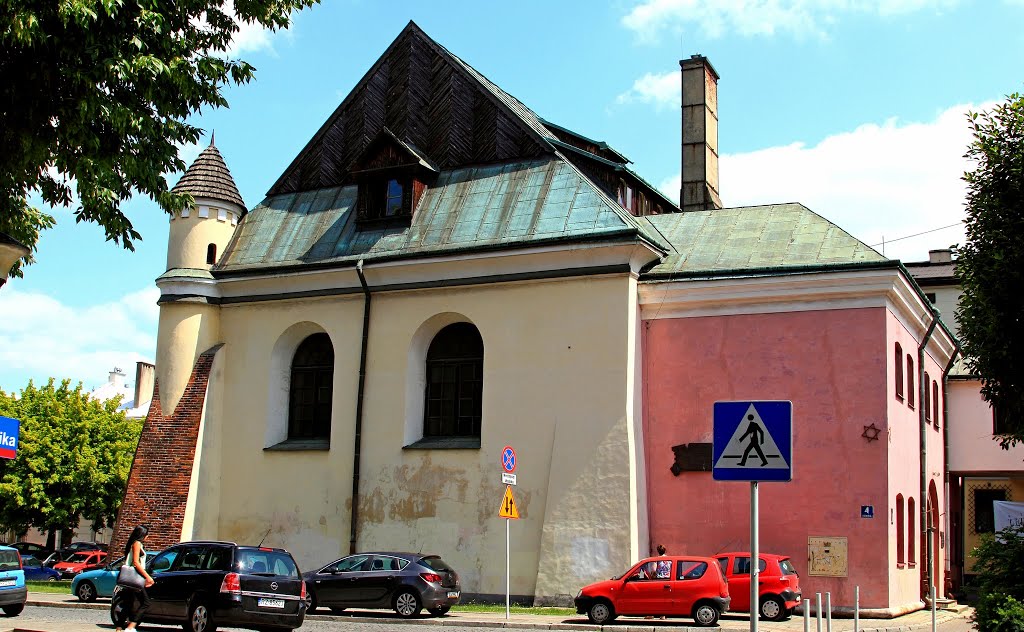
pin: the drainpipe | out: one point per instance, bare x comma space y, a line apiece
357, 448
922, 388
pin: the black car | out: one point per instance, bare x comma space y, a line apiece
37, 551
202, 585
404, 582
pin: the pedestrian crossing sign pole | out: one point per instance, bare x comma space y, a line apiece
753, 441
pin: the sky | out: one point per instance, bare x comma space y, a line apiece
854, 108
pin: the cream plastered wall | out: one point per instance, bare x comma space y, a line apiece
185, 330
558, 384
1014, 488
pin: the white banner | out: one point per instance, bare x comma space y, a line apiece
1007, 514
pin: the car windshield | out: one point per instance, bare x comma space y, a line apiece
435, 563
787, 567
266, 562
30, 562
79, 557
116, 564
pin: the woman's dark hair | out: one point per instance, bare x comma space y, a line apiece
138, 533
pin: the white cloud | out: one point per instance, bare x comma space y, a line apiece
878, 182
660, 90
760, 17
40, 337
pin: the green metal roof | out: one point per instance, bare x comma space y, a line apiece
753, 238
525, 203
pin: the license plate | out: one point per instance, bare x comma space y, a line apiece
453, 594
7, 582
264, 602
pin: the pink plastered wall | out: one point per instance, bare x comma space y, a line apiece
905, 470
832, 365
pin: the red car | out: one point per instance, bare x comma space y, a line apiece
79, 562
670, 586
778, 583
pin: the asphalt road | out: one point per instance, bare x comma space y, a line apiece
84, 619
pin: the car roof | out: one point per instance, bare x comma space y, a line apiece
7, 548
770, 556
683, 558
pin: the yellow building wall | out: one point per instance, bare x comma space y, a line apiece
1014, 493
558, 387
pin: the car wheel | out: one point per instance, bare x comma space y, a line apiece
439, 611
705, 615
200, 619
311, 603
407, 604
86, 592
118, 613
600, 612
773, 609
14, 610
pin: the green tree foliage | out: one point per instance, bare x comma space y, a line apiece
96, 95
1001, 607
74, 456
990, 266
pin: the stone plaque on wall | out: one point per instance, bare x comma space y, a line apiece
826, 556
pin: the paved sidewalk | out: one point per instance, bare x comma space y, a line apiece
920, 620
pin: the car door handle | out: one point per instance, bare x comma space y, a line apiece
667, 587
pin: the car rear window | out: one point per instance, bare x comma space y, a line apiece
436, 563
9, 561
263, 562
691, 570
787, 567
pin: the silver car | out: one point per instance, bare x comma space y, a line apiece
403, 582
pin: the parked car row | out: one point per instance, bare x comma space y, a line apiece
48, 557
699, 587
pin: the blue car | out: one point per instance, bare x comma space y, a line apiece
89, 585
36, 572
13, 593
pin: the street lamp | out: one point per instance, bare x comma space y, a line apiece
10, 251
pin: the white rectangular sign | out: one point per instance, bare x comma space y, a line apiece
508, 479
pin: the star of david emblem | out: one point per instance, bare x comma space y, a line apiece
871, 433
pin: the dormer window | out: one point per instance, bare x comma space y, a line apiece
392, 176
393, 204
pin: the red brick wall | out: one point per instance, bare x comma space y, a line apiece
158, 483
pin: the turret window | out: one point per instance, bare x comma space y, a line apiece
211, 254
204, 212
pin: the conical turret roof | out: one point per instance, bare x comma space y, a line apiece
208, 176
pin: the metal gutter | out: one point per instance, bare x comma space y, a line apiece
357, 447
649, 277
922, 411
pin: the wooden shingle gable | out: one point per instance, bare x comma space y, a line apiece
428, 98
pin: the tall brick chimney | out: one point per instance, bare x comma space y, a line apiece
699, 189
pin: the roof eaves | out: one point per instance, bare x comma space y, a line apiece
694, 275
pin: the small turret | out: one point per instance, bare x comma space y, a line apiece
199, 234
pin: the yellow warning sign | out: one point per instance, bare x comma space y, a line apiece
508, 505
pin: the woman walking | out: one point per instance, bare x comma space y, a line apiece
136, 601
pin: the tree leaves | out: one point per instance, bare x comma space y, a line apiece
74, 457
990, 266
95, 95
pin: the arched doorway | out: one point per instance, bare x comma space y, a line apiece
938, 577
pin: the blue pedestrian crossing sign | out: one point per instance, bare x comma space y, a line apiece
752, 441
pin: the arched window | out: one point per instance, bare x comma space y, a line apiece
911, 532
211, 254
898, 365
900, 534
935, 403
927, 403
312, 386
910, 381
454, 389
